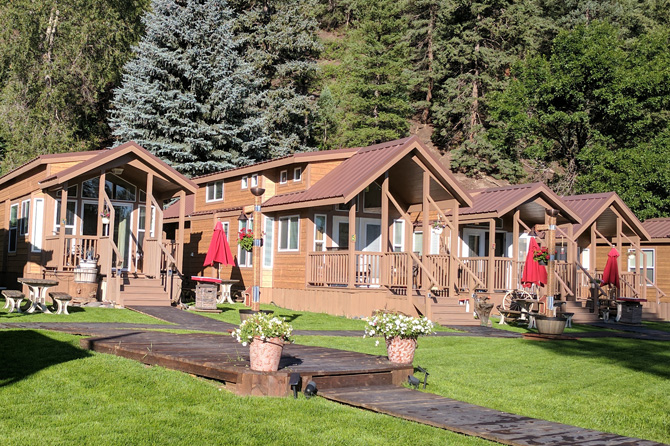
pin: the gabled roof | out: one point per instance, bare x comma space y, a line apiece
498, 201
591, 206
296, 158
43, 160
113, 156
364, 166
657, 227
172, 211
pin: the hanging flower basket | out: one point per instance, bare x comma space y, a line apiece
541, 256
105, 220
245, 238
104, 216
438, 228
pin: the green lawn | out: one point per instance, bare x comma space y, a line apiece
300, 320
609, 384
80, 314
54, 393
662, 326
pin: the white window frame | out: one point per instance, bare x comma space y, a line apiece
652, 268
268, 242
283, 221
38, 225
248, 256
283, 177
419, 248
57, 218
244, 182
24, 222
14, 228
325, 228
254, 180
398, 247
209, 187
297, 174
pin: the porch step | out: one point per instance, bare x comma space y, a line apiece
447, 311
582, 313
143, 291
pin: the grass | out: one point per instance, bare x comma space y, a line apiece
608, 384
662, 326
300, 320
55, 393
80, 314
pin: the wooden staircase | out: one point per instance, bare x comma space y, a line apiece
143, 291
582, 313
448, 310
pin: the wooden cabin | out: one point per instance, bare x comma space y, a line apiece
58, 210
339, 231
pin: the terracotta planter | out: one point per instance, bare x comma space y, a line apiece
265, 355
400, 351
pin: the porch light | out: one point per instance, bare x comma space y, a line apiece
310, 390
117, 170
242, 217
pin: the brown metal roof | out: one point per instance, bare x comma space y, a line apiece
592, 206
501, 200
357, 172
46, 159
657, 227
173, 210
300, 157
107, 156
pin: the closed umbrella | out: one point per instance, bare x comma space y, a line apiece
533, 272
611, 273
219, 250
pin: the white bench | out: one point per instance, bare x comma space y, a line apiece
13, 300
62, 299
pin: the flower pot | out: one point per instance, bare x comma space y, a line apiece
550, 325
400, 350
264, 355
542, 262
437, 231
105, 220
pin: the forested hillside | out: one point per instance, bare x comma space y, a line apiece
573, 93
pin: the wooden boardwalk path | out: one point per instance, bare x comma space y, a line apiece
457, 416
222, 358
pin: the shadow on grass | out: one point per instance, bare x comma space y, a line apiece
291, 317
25, 352
639, 355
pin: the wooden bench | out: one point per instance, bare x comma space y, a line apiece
62, 299
511, 315
13, 300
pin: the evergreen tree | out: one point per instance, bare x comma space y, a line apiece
373, 84
185, 95
278, 38
59, 62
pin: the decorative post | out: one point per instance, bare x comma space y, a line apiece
551, 247
257, 192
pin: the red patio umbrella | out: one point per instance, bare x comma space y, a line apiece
533, 272
611, 273
219, 250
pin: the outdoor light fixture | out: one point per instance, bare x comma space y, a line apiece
117, 170
294, 383
425, 375
310, 390
413, 381
242, 217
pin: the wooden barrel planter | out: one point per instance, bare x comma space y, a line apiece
550, 325
244, 314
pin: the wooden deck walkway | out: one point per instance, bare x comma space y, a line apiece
457, 416
224, 359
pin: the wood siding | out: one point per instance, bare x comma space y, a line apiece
318, 170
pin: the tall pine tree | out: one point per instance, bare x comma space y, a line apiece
185, 95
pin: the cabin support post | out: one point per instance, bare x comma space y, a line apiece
182, 227
453, 263
425, 228
492, 256
386, 246
101, 202
515, 250
592, 250
572, 261
61, 231
352, 243
409, 248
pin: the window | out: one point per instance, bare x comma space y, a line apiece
71, 191
268, 242
650, 254
226, 225
288, 233
319, 232
346, 206
13, 227
254, 180
283, 177
215, 191
25, 217
398, 235
38, 225
245, 182
116, 188
372, 198
244, 257
69, 220
417, 245
297, 174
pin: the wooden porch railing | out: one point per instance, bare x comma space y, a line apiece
76, 248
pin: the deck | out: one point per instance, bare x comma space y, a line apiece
222, 358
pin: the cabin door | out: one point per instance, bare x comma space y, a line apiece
123, 231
